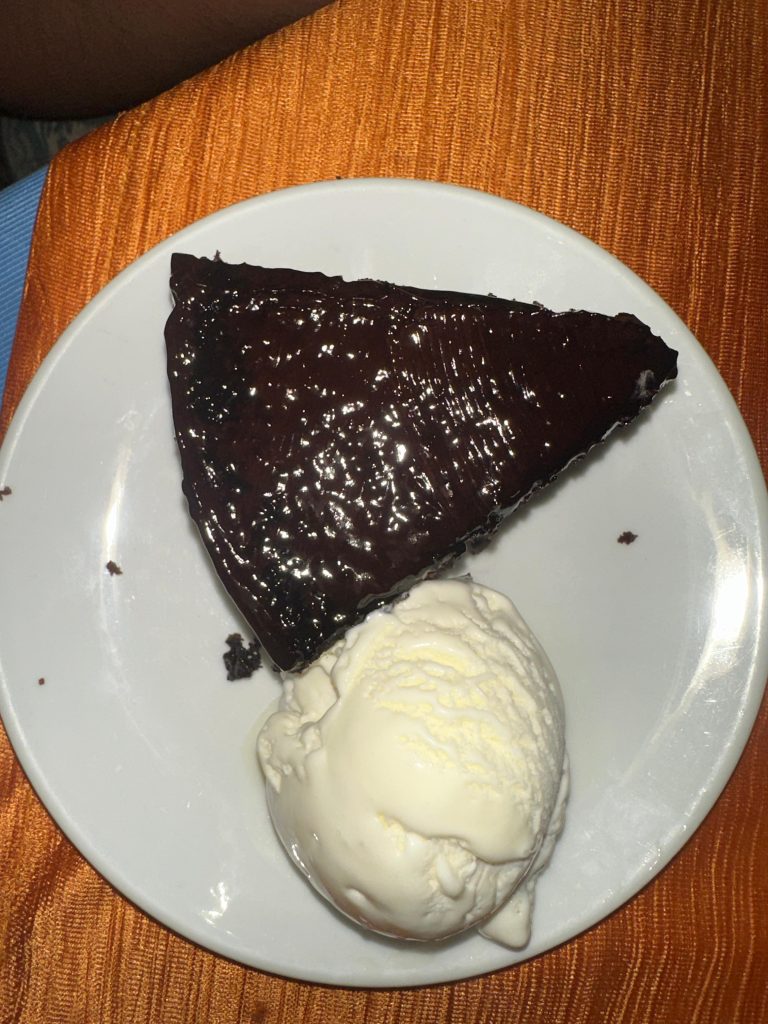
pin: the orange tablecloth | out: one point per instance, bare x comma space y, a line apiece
643, 125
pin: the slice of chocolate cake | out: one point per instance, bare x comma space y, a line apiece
341, 439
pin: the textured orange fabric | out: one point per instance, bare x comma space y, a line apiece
643, 125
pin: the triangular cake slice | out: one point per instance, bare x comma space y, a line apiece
340, 440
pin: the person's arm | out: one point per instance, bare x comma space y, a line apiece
80, 58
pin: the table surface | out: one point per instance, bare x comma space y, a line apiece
640, 125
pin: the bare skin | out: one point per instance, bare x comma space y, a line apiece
82, 58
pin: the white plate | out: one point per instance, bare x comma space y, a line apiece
144, 754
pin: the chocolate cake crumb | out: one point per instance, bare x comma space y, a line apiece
113, 568
627, 537
5, 491
241, 661
41, 681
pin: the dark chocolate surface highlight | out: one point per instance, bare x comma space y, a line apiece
340, 440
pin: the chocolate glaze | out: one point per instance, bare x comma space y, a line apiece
341, 439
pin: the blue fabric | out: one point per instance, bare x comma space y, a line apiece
18, 209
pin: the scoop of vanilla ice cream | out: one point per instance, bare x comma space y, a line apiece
416, 773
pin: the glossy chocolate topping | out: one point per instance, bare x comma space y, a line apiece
341, 439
